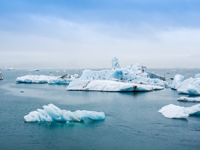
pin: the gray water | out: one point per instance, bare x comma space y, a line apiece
132, 119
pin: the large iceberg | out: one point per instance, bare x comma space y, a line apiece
131, 74
190, 86
173, 111
189, 99
112, 86
53, 113
46, 79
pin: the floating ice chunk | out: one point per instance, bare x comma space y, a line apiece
34, 70
178, 79
46, 79
115, 63
53, 113
190, 86
35, 79
105, 85
173, 111
189, 99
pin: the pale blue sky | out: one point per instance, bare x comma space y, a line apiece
89, 33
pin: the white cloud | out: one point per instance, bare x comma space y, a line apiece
59, 43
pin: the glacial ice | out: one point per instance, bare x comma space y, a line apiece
115, 63
178, 79
53, 113
174, 111
112, 86
189, 99
130, 74
190, 86
46, 79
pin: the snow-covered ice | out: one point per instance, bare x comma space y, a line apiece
130, 74
53, 113
190, 86
35, 79
174, 111
46, 79
112, 86
189, 99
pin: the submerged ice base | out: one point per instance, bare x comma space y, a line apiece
178, 112
112, 86
53, 113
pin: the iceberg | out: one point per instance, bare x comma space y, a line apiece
131, 74
174, 111
34, 70
115, 63
189, 99
46, 79
52, 113
190, 86
178, 79
35, 79
111, 86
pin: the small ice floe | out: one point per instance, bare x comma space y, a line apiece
189, 99
112, 86
53, 113
46, 79
175, 112
34, 70
35, 79
190, 86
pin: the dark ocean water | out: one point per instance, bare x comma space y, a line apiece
132, 119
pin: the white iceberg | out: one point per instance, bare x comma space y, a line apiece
189, 99
46, 79
35, 79
130, 74
34, 70
190, 86
174, 111
112, 86
115, 63
53, 113
178, 79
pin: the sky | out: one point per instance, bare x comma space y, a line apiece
66, 34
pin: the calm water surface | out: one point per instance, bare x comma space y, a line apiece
132, 119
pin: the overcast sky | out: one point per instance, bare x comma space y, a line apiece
89, 33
